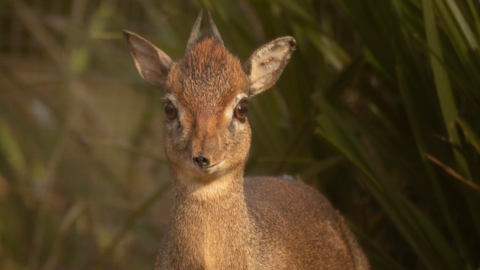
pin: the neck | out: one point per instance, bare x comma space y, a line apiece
208, 188
210, 225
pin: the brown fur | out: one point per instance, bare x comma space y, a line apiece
219, 219
204, 82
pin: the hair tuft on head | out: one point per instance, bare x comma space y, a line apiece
194, 34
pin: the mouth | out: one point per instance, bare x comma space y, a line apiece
210, 169
214, 165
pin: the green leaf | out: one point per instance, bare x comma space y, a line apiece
470, 134
12, 150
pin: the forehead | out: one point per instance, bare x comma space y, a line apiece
207, 77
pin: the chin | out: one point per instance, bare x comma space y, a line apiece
212, 173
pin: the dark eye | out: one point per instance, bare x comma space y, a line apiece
241, 110
170, 111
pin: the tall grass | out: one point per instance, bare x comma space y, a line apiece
426, 53
378, 109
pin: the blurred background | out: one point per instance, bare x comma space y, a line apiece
378, 109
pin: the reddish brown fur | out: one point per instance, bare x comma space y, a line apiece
208, 75
205, 81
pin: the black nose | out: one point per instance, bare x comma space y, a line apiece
201, 161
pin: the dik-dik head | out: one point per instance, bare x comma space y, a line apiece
206, 97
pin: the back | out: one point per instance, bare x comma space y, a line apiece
299, 226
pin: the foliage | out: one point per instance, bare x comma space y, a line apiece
378, 109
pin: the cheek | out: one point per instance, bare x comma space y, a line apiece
176, 140
238, 140
169, 143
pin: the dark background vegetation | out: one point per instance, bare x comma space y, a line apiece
378, 109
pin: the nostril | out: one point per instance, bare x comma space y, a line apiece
201, 161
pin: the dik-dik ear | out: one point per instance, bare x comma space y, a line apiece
151, 62
266, 64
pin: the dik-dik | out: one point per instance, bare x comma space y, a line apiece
221, 220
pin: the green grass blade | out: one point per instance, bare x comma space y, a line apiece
470, 134
443, 86
447, 102
386, 261
414, 232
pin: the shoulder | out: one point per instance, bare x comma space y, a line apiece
259, 187
285, 195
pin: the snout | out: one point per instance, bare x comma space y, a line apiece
205, 143
201, 161
204, 151
205, 163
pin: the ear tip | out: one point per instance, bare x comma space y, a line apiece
288, 39
126, 34
291, 41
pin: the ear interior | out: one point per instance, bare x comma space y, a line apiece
267, 63
152, 63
